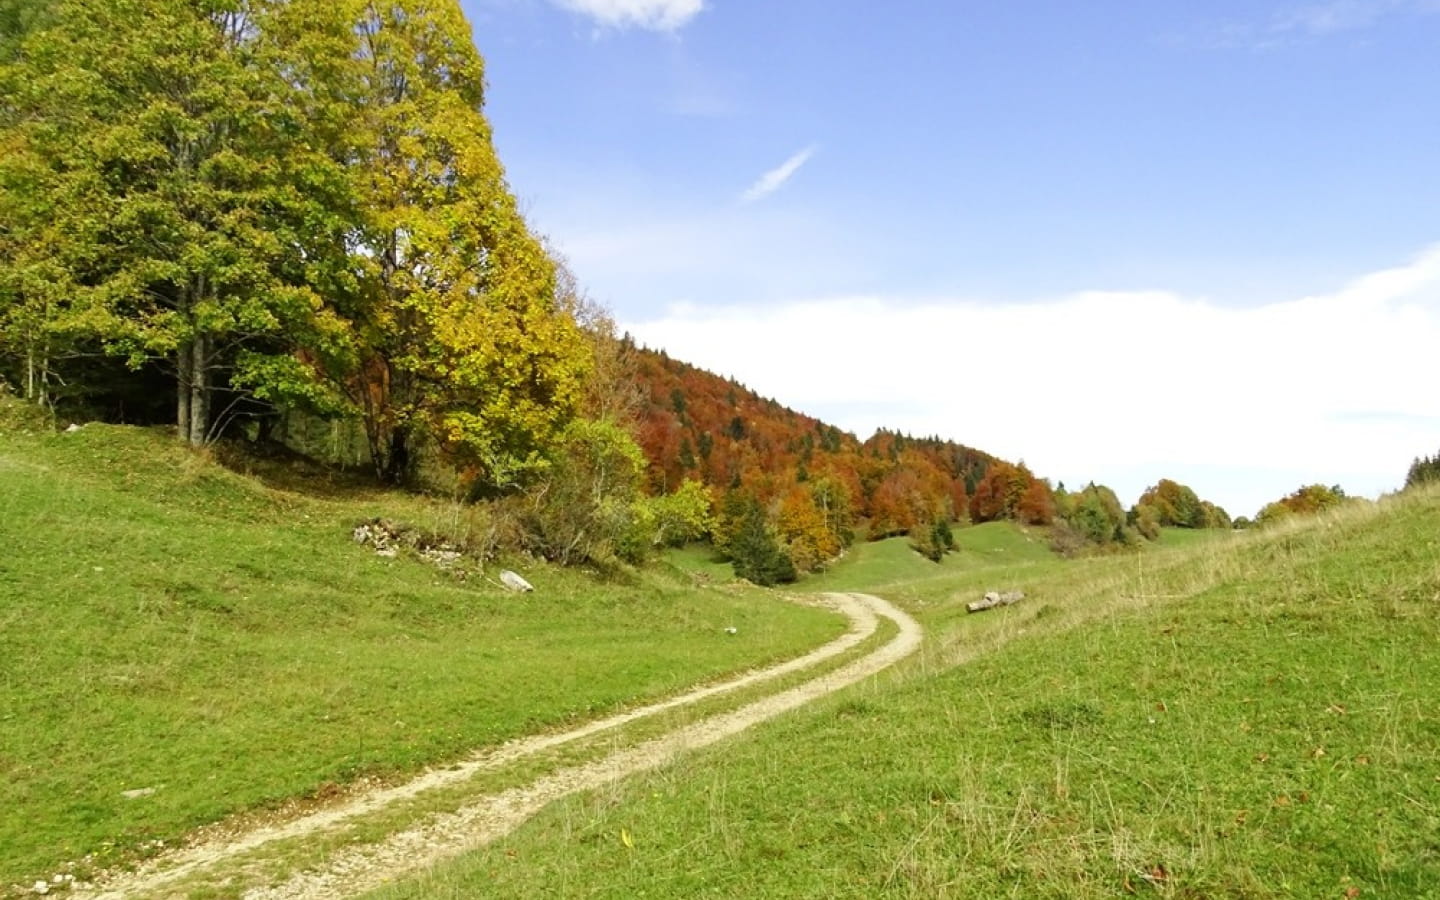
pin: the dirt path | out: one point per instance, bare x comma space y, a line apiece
353, 870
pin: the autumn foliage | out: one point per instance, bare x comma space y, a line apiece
816, 484
1308, 500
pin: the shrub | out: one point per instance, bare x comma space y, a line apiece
587, 506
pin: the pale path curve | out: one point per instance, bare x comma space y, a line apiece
355, 869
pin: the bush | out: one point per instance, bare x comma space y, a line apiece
18, 415
1066, 540
1147, 521
587, 507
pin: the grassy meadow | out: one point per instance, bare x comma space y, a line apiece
1218, 715
172, 627
1250, 715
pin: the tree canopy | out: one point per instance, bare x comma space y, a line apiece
279, 204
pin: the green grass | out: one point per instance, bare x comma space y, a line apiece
166, 623
1239, 718
892, 564
701, 563
1188, 537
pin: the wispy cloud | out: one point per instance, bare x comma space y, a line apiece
654, 15
1320, 20
1244, 404
771, 181
1334, 16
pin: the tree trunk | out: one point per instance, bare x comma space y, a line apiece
185, 366
397, 459
199, 391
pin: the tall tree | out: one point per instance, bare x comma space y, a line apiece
460, 334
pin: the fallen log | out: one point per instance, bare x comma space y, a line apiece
993, 599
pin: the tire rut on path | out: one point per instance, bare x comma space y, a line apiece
354, 869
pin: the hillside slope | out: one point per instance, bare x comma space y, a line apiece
698, 425
1251, 717
173, 628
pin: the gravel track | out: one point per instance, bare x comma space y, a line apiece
355, 869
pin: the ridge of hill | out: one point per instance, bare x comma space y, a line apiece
696, 425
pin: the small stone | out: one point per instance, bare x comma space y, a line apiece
514, 582
387, 552
41, 887
732, 630
72, 429
137, 793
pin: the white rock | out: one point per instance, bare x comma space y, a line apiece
72, 429
732, 630
514, 582
41, 887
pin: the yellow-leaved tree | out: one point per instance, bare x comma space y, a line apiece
459, 336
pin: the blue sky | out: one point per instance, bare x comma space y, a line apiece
1073, 204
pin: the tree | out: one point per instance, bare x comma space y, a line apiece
1307, 500
161, 143
18, 18
754, 551
836, 501
932, 540
1424, 470
1009, 492
803, 530
1037, 504
1212, 516
1146, 520
1175, 504
682, 516
1097, 516
459, 333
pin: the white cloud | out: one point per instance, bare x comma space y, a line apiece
1320, 20
1334, 16
656, 15
1119, 387
771, 181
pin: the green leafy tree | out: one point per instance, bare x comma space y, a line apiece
1096, 519
1212, 516
18, 18
158, 146
836, 505
683, 515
